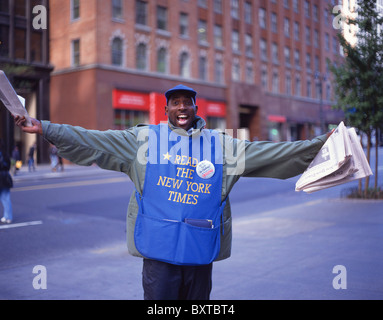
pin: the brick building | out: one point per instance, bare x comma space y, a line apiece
258, 65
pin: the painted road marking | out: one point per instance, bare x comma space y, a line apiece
18, 225
70, 184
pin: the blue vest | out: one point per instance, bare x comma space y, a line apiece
180, 213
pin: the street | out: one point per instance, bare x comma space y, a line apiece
286, 245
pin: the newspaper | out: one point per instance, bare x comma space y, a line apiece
340, 160
14, 103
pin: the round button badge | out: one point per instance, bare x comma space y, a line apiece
205, 169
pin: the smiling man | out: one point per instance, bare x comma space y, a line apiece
179, 217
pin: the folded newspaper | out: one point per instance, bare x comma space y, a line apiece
14, 103
341, 159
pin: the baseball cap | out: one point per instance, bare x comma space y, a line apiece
180, 87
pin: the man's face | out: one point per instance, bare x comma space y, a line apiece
181, 110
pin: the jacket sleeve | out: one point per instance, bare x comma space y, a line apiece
280, 160
111, 149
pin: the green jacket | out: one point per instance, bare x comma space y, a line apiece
123, 150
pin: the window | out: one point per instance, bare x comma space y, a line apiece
184, 65
288, 89
117, 9
4, 36
202, 68
316, 38
75, 9
249, 72
334, 45
298, 86
202, 31
262, 18
274, 22
249, 45
235, 41
263, 48
296, 5
248, 13
218, 6
184, 24
275, 84
308, 61
307, 34
20, 44
286, 27
287, 56
202, 3
315, 12
218, 37
327, 41
75, 46
264, 79
141, 12
286, 3
274, 52
117, 51
161, 60
235, 9
236, 70
162, 13
297, 58
316, 63
218, 71
141, 56
308, 88
307, 9
296, 30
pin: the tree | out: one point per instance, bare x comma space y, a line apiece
359, 77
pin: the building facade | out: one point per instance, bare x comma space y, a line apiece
258, 65
24, 57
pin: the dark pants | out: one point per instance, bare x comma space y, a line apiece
164, 281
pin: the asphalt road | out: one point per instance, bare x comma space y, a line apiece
71, 228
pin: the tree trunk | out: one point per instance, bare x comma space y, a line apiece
368, 159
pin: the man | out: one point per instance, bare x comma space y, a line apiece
179, 218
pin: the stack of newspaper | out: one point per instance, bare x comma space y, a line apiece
14, 103
340, 160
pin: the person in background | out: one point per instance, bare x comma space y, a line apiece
31, 160
6, 183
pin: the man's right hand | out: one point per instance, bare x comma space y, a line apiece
36, 125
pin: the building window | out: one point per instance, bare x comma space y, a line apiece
202, 31
334, 45
235, 40
308, 36
218, 71
184, 24
20, 44
316, 38
218, 36
4, 45
248, 13
75, 52
236, 70
75, 9
327, 41
288, 89
307, 9
249, 45
286, 27
263, 48
141, 58
275, 84
287, 56
162, 19
184, 65
264, 79
117, 9
298, 86
249, 72
274, 52
308, 89
161, 60
202, 3
315, 12
296, 5
262, 18
297, 58
117, 51
308, 61
296, 30
218, 6
316, 63
202, 68
286, 3
141, 12
274, 22
235, 9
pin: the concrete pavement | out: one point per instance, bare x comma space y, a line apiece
302, 251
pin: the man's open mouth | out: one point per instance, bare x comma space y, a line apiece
182, 119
